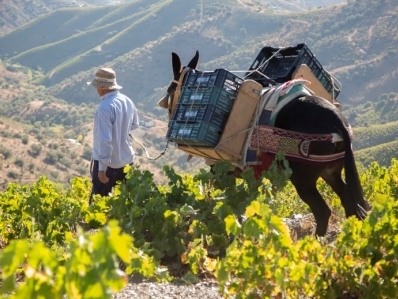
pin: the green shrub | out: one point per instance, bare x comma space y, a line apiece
87, 153
25, 139
35, 150
19, 162
82, 170
206, 225
13, 175
31, 168
5, 152
51, 158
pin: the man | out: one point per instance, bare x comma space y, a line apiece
114, 118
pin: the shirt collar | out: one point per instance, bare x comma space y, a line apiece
109, 94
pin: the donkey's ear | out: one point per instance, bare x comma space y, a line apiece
193, 64
176, 62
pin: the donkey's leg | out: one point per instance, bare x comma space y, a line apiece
332, 176
304, 180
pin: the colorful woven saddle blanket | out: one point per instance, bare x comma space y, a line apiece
295, 146
264, 138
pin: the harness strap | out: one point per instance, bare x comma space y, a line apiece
293, 144
177, 92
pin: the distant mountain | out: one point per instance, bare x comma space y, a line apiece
355, 41
375, 129
298, 5
15, 13
43, 135
48, 59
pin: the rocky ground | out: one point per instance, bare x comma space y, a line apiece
299, 226
152, 290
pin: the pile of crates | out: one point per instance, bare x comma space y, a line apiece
207, 98
279, 64
203, 108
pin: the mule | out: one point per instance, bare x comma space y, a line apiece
310, 115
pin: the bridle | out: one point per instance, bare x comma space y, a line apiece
174, 96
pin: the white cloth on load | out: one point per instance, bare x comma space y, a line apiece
274, 99
270, 100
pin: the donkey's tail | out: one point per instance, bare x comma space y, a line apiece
357, 205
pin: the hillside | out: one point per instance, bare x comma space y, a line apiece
41, 135
44, 136
16, 13
27, 152
356, 43
43, 79
375, 126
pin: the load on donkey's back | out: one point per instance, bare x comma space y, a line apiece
221, 116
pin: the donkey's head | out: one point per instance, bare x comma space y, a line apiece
174, 89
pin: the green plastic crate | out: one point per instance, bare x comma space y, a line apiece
220, 78
214, 95
196, 134
206, 113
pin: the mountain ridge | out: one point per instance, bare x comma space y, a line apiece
355, 41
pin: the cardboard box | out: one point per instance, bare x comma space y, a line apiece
303, 71
236, 129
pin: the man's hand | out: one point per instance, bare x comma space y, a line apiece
102, 177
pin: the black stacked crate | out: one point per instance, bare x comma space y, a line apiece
279, 64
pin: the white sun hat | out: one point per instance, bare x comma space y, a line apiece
105, 78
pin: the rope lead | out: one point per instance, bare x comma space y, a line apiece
146, 151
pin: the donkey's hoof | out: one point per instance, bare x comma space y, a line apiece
361, 213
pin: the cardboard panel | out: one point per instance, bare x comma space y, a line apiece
236, 129
305, 72
209, 153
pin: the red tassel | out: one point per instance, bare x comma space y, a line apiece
266, 161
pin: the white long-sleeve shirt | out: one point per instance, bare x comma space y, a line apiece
114, 118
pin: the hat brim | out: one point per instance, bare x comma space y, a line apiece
164, 102
104, 85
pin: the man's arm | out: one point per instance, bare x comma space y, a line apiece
104, 137
136, 123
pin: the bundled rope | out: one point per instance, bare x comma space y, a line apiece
257, 70
335, 88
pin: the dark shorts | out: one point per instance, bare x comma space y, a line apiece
113, 174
